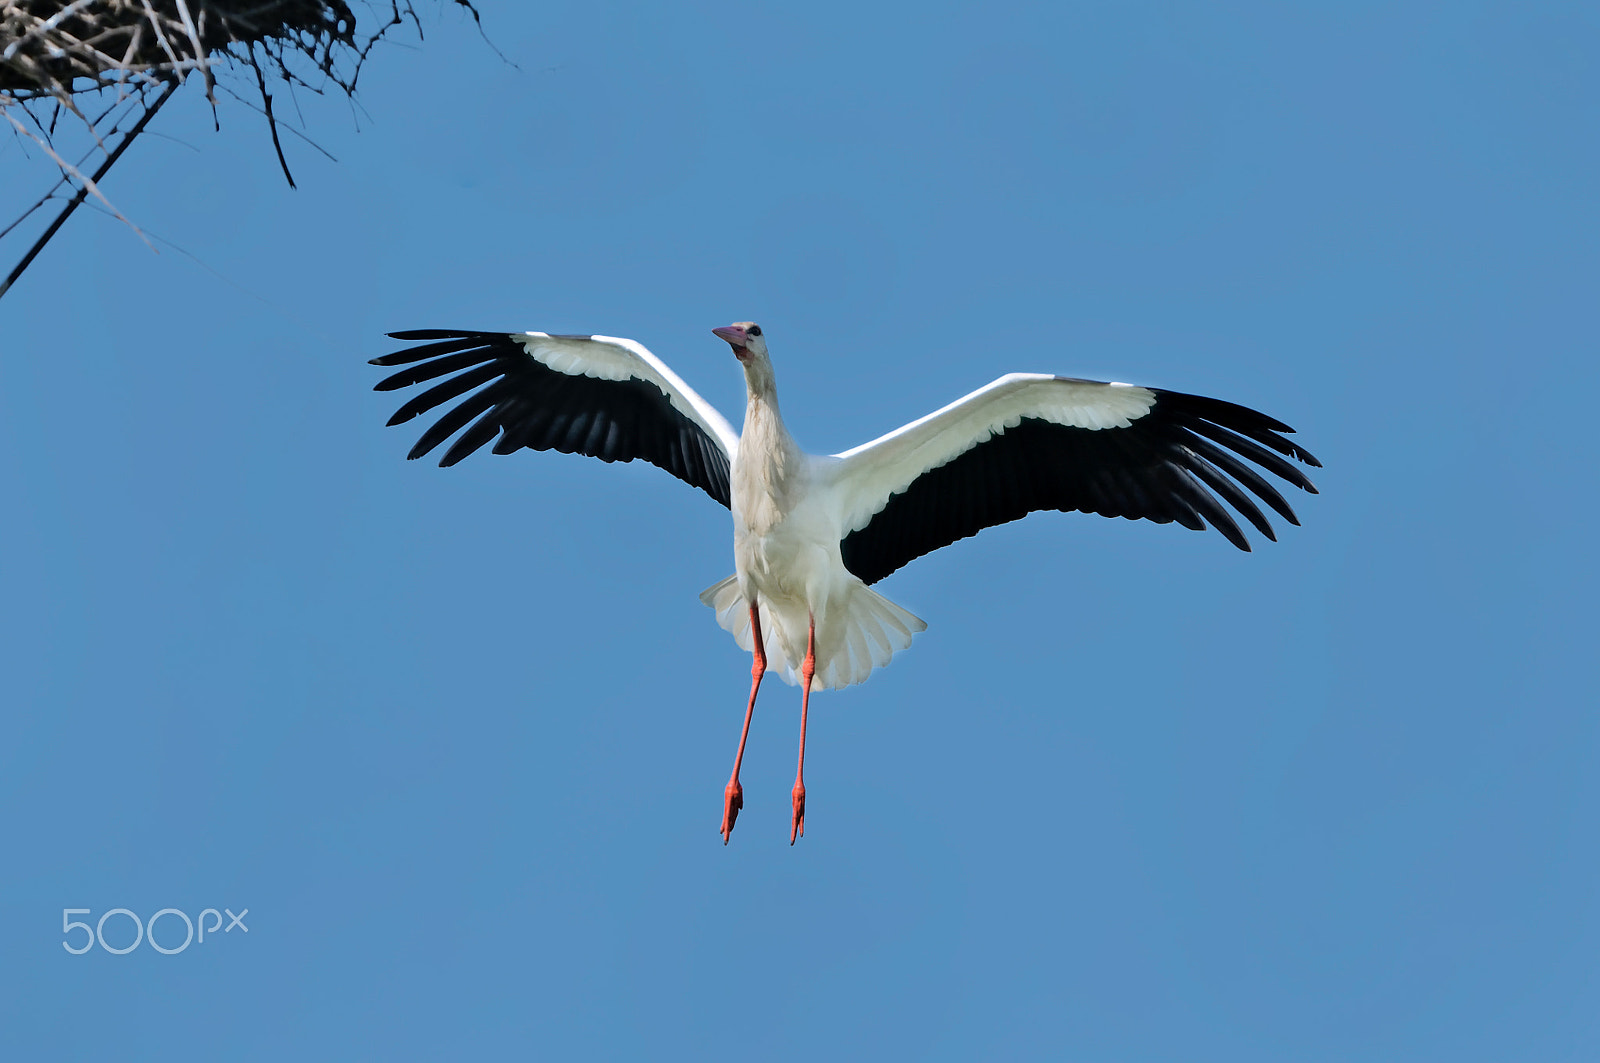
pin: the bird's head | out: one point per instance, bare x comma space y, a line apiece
746, 340
750, 347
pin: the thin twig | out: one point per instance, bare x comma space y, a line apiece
44, 27
47, 197
199, 51
71, 170
272, 124
89, 183
326, 153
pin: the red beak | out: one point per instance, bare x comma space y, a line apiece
732, 333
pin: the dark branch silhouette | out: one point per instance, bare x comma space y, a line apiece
57, 56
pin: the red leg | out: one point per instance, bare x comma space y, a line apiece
807, 669
733, 794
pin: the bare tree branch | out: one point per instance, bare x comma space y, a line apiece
89, 185
55, 52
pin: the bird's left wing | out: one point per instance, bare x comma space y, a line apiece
1029, 441
602, 396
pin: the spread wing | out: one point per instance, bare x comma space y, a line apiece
1029, 441
605, 397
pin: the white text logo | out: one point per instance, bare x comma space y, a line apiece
146, 931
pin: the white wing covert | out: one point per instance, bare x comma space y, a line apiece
1032, 441
602, 396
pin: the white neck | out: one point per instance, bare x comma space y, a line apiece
764, 429
761, 406
769, 466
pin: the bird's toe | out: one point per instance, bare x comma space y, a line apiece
732, 802
797, 828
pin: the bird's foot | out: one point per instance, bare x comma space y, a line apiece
798, 827
732, 802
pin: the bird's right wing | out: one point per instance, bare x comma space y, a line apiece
1028, 442
602, 396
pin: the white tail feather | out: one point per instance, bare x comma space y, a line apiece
861, 630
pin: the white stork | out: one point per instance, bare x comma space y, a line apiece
811, 533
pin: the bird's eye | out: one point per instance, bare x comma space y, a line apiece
755, 330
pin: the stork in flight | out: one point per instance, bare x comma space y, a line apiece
812, 533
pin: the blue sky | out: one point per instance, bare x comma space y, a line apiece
457, 738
